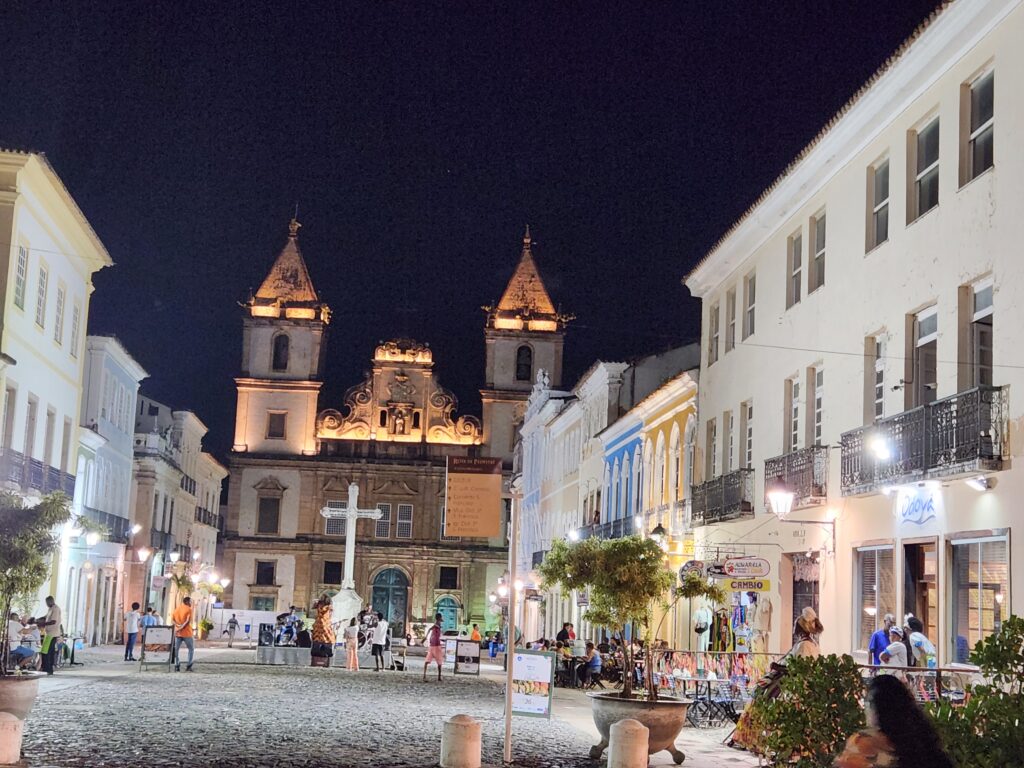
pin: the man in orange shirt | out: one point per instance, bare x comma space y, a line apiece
182, 620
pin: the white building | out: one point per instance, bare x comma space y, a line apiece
93, 574
877, 388
52, 253
176, 497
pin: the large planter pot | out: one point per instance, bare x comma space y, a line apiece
17, 694
663, 718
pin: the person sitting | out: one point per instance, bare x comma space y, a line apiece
589, 671
15, 634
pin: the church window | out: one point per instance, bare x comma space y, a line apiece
524, 363
266, 572
269, 515
448, 578
403, 529
383, 418
280, 361
332, 572
416, 420
335, 526
383, 528
276, 424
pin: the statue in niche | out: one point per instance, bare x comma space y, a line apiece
399, 423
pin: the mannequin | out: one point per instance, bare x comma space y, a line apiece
702, 618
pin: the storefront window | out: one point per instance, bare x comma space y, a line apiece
980, 586
876, 591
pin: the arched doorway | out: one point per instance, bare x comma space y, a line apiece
449, 610
391, 598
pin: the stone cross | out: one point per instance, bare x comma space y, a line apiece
351, 513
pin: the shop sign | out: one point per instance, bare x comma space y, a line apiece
691, 566
749, 585
583, 598
689, 547
916, 508
747, 567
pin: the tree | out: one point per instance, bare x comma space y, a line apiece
625, 580
27, 541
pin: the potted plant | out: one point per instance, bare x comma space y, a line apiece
26, 543
627, 579
205, 628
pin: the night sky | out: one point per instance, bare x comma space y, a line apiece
418, 140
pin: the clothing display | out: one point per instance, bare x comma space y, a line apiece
702, 626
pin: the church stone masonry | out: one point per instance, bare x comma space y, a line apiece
391, 436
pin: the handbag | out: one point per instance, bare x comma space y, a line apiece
700, 629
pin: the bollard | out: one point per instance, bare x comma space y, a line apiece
460, 743
627, 745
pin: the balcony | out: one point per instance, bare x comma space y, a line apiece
206, 517
613, 529
29, 474
805, 471
161, 541
117, 526
728, 497
959, 435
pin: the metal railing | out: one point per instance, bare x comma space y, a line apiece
206, 517
613, 529
950, 684
30, 474
726, 497
805, 471
117, 526
161, 541
957, 435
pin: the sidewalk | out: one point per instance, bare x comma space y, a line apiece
703, 747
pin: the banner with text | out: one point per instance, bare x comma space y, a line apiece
473, 497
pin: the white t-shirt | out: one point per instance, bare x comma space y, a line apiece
380, 633
897, 654
13, 632
53, 615
131, 622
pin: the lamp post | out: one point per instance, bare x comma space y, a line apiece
144, 553
781, 497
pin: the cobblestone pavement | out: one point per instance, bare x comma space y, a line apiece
238, 714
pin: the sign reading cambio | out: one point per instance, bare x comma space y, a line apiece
473, 497
746, 567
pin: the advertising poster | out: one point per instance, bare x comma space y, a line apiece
533, 678
467, 657
473, 497
157, 643
451, 645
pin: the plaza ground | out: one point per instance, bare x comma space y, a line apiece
232, 713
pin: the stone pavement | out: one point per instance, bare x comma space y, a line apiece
232, 713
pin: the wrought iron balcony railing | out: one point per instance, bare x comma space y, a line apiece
161, 541
727, 497
805, 471
958, 435
117, 526
613, 529
30, 474
206, 517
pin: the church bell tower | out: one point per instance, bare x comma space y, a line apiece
283, 336
524, 333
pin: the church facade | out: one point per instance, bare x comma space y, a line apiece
294, 456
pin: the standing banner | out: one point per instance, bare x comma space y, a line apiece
473, 497
467, 657
451, 645
157, 645
533, 679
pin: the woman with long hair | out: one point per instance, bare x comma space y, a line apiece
899, 733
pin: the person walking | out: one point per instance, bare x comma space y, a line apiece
380, 638
232, 628
880, 639
435, 651
51, 625
352, 644
131, 631
182, 620
898, 733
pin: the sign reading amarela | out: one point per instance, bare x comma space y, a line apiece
473, 497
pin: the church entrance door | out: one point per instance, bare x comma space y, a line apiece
449, 611
391, 598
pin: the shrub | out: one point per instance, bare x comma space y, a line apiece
818, 708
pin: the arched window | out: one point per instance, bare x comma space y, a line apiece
524, 364
280, 361
673, 465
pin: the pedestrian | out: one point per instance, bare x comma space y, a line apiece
182, 620
435, 651
232, 628
131, 631
352, 644
563, 633
380, 638
922, 647
157, 618
323, 630
51, 625
880, 639
475, 634
895, 654
898, 733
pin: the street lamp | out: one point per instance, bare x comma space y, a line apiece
136, 528
214, 577
224, 583
503, 591
92, 538
574, 535
660, 536
175, 556
196, 555
780, 497
493, 598
143, 553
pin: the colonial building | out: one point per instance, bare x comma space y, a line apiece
856, 426
391, 437
51, 255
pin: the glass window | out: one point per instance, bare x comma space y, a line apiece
980, 154
448, 577
332, 572
76, 321
41, 298
276, 423
260, 603
879, 187
712, 459
819, 396
524, 364
981, 333
926, 329
795, 269
748, 450
926, 182
268, 518
280, 361
980, 583
879, 377
750, 301
876, 591
335, 526
21, 277
713, 331
382, 530
817, 278
730, 319
266, 572
730, 439
793, 431
403, 528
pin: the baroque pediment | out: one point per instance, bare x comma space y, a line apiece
270, 483
393, 487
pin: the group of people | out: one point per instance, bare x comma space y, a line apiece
900, 647
33, 641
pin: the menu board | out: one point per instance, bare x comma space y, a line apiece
533, 678
451, 645
156, 644
473, 497
467, 657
